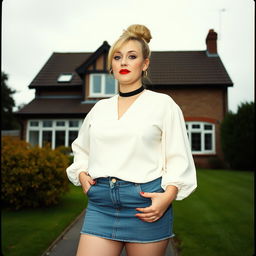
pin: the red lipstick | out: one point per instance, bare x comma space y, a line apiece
124, 71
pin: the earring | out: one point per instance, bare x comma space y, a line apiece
145, 73
111, 73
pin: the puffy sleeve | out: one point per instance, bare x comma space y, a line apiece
80, 148
179, 167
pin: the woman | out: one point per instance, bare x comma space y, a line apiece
132, 158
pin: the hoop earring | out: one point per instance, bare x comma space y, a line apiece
111, 73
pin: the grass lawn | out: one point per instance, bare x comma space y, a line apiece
217, 219
30, 232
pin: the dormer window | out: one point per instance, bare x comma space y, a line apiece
102, 85
65, 77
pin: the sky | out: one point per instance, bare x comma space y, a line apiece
33, 29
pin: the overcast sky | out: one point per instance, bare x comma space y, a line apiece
33, 29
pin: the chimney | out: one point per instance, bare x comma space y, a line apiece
211, 43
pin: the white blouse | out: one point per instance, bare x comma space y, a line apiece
149, 141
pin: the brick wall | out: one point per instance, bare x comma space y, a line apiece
208, 103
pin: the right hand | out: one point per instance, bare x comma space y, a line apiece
86, 181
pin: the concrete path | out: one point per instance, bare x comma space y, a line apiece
66, 244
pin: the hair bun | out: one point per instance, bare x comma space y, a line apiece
139, 31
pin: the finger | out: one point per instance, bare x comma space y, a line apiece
152, 219
92, 182
145, 210
147, 194
86, 186
145, 215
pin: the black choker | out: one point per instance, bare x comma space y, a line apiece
128, 94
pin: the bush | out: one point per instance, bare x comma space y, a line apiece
237, 137
32, 176
68, 152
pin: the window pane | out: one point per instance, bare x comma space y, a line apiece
65, 77
47, 137
47, 123
208, 127
96, 84
60, 123
59, 138
34, 138
208, 141
34, 123
72, 135
196, 141
110, 87
195, 126
74, 123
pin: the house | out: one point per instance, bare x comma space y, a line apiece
69, 84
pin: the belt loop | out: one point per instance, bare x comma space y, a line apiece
111, 184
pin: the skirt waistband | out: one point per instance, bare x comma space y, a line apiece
117, 181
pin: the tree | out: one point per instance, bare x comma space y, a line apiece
8, 120
237, 137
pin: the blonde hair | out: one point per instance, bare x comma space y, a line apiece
136, 32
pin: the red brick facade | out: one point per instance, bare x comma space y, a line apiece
203, 104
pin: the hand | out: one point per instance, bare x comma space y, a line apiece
160, 203
86, 181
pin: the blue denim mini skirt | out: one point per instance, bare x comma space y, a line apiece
112, 207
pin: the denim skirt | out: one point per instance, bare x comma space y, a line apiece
112, 207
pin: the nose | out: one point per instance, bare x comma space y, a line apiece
123, 62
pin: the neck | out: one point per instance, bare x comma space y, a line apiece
129, 87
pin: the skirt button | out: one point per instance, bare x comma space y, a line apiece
113, 180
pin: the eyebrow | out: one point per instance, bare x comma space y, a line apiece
128, 51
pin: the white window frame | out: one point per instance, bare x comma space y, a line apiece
53, 129
103, 86
202, 131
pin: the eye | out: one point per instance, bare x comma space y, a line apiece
117, 57
132, 57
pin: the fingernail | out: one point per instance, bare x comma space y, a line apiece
142, 193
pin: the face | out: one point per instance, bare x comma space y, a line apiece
128, 63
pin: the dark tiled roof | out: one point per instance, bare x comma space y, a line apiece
55, 106
60, 63
166, 68
187, 68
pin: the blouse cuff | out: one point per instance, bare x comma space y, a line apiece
183, 190
73, 172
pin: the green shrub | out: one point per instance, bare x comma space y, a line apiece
237, 137
68, 152
32, 176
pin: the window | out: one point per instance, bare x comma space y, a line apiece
34, 138
72, 136
60, 123
47, 123
34, 123
201, 137
59, 138
102, 85
54, 132
74, 123
65, 77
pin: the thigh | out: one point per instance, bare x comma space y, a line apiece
147, 249
90, 245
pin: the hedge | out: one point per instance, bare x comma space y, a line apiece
32, 176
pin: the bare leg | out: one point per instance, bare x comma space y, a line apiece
90, 245
146, 249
